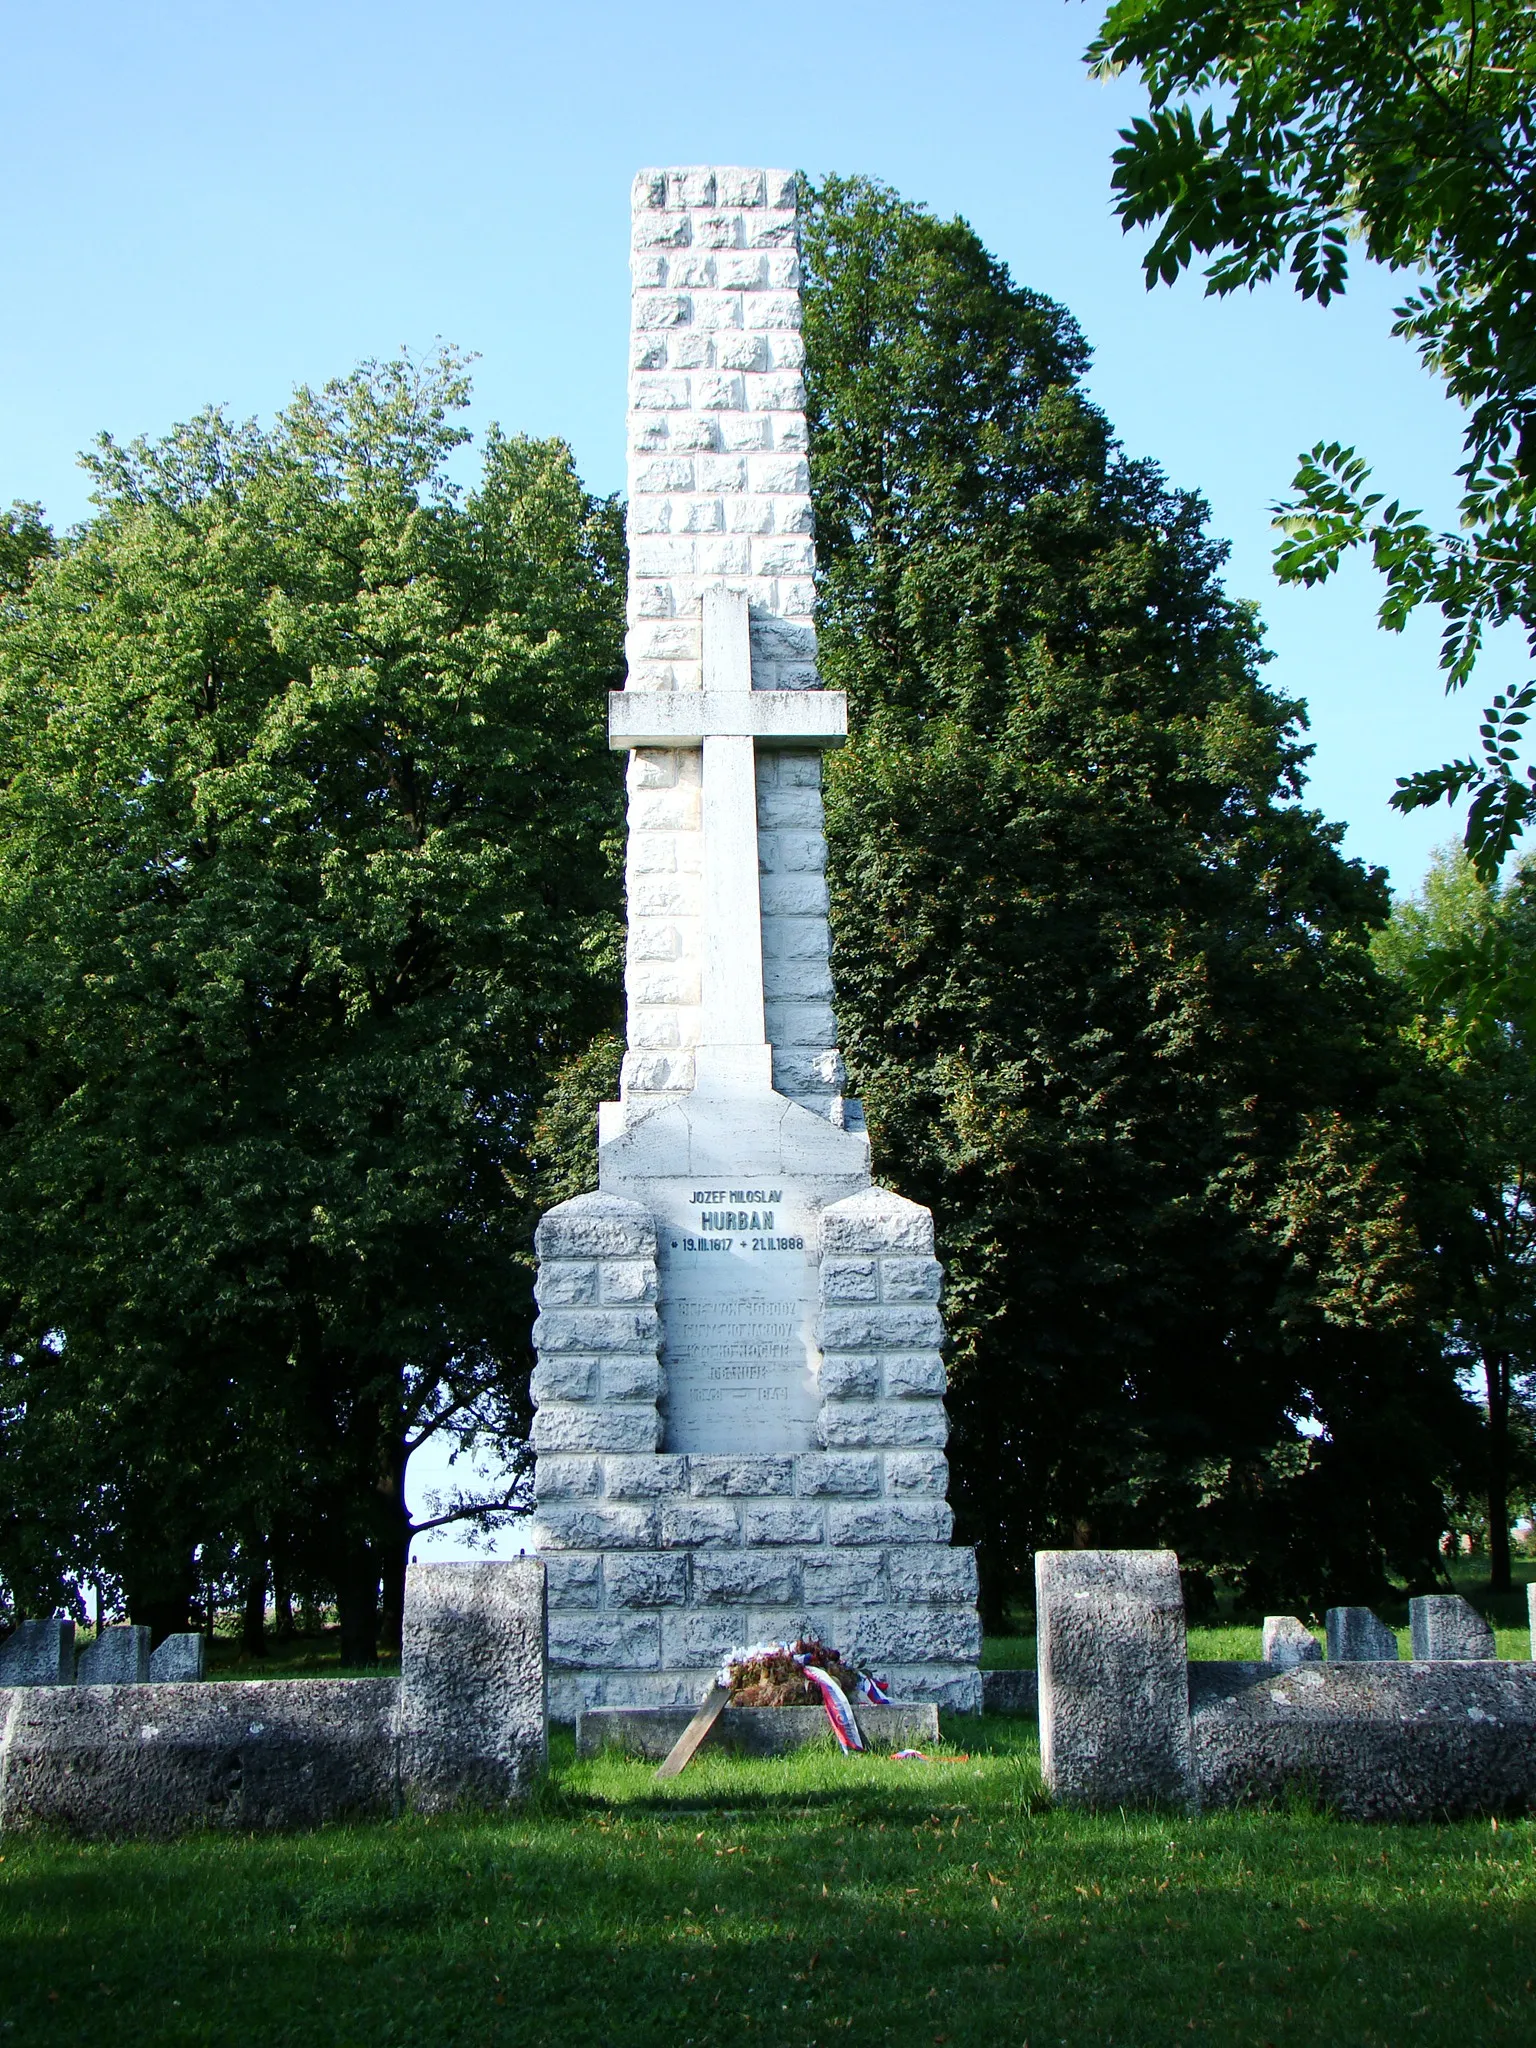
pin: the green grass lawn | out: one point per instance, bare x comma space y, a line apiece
814, 1899
1017, 1653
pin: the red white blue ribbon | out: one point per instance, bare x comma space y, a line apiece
839, 1713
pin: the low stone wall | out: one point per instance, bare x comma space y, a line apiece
466, 1722
1125, 1719
160, 1759
1377, 1741
1010, 1692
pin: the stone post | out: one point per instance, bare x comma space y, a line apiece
1114, 1684
39, 1653
473, 1719
179, 1660
1444, 1626
1289, 1642
1355, 1636
118, 1656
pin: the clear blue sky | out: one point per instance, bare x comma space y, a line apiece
216, 201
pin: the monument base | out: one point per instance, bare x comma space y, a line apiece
650, 1732
740, 1423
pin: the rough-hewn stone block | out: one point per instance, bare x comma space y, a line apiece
896, 1635
563, 1377
687, 1522
788, 1521
1376, 1740
850, 1474
882, 1425
179, 1660
915, 1521
876, 1221
576, 1526
658, 1476
566, 1283
1114, 1701
646, 1579
567, 1478
740, 1476
1444, 1626
722, 1578
596, 1227
702, 1636
931, 1573
473, 1720
629, 1379
850, 1280
582, 1426
628, 1641
39, 1653
597, 1329
1356, 1636
914, 1375
843, 1578
574, 1580
850, 1376
911, 1279
127, 1760
118, 1656
1289, 1642
881, 1329
627, 1280
917, 1472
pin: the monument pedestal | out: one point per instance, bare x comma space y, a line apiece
740, 1430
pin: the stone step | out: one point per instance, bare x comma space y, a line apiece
649, 1732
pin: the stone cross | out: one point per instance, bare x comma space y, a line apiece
727, 718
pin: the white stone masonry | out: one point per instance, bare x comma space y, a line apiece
719, 499
661, 1563
740, 1421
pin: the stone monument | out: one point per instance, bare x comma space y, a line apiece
740, 1425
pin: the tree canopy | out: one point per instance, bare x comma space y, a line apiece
1279, 132
1464, 951
1105, 985
308, 844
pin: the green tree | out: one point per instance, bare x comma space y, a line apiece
1105, 986
1281, 130
1465, 951
308, 842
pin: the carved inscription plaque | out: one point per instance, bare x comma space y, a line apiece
738, 1315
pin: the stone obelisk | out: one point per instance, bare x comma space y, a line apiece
740, 1422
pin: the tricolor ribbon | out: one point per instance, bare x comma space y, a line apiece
839, 1713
